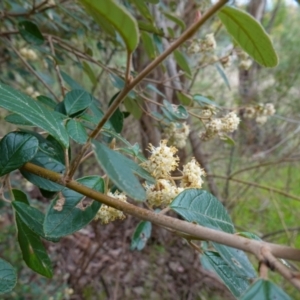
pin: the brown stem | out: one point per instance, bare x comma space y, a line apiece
191, 229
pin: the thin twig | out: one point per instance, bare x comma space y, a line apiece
263, 187
59, 77
28, 66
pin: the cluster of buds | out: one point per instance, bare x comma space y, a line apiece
28, 54
226, 61
206, 47
177, 134
260, 112
220, 126
107, 214
30, 91
245, 62
160, 164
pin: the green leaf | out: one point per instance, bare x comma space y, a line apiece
185, 99
264, 290
16, 148
204, 101
77, 131
141, 235
17, 120
212, 261
175, 19
30, 216
77, 101
30, 33
149, 27
48, 162
21, 196
74, 85
117, 118
250, 35
223, 74
176, 112
33, 250
8, 277
120, 170
133, 106
89, 72
143, 9
46, 101
148, 44
71, 217
249, 235
117, 16
34, 112
199, 206
182, 62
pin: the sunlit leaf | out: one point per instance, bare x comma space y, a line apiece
117, 16
250, 35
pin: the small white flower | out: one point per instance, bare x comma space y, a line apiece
161, 161
249, 112
29, 90
192, 175
230, 122
28, 54
107, 214
245, 64
261, 119
177, 134
162, 193
269, 109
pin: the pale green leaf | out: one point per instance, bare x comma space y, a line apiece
250, 35
117, 16
120, 170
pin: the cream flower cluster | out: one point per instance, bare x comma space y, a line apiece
177, 134
160, 164
108, 214
28, 54
192, 175
162, 160
162, 193
245, 62
220, 126
260, 112
32, 92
